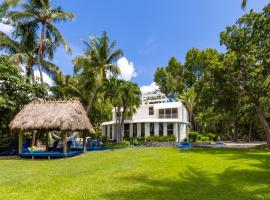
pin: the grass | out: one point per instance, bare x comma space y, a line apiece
141, 173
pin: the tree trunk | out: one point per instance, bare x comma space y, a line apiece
40, 52
236, 130
190, 120
262, 119
91, 99
122, 124
249, 133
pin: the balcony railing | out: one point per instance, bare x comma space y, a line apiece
168, 116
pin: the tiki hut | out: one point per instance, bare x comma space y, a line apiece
45, 116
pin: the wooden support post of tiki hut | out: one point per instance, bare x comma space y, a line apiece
34, 134
65, 142
20, 143
84, 141
47, 140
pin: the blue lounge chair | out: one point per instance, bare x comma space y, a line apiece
184, 145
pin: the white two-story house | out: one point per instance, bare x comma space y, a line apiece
155, 117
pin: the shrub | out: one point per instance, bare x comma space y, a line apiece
160, 139
193, 136
125, 143
184, 140
104, 139
205, 139
211, 136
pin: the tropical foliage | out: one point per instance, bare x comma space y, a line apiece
228, 93
15, 92
221, 91
31, 18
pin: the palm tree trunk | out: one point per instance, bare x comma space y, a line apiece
91, 99
40, 52
122, 124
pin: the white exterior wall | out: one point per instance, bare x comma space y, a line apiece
142, 116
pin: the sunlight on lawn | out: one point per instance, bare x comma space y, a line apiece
143, 173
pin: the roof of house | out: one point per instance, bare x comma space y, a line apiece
68, 115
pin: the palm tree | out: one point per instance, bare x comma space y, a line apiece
98, 62
125, 98
65, 87
36, 16
27, 56
189, 98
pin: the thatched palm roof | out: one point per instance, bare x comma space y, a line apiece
52, 115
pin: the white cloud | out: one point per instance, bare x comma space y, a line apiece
149, 88
127, 69
6, 28
46, 78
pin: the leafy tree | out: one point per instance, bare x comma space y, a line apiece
95, 65
189, 98
170, 78
27, 56
125, 97
65, 87
15, 92
248, 42
37, 16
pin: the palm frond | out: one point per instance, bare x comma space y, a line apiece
244, 4
50, 68
58, 37
8, 45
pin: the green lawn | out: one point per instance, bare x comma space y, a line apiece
141, 173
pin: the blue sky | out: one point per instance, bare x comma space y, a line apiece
149, 31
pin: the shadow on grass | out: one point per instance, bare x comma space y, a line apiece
262, 156
10, 158
193, 183
196, 184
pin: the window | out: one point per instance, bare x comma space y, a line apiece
168, 113
151, 110
161, 113
170, 129
160, 129
126, 130
174, 113
110, 131
134, 130
152, 129
142, 129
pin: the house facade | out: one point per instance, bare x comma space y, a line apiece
155, 117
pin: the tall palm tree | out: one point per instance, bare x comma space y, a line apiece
125, 97
189, 98
27, 56
38, 16
98, 62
